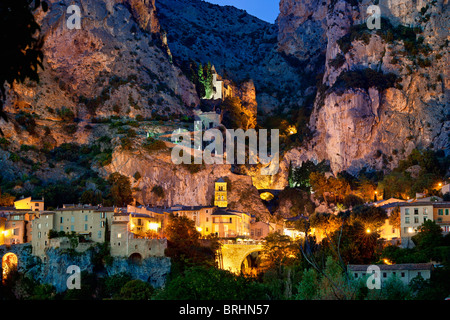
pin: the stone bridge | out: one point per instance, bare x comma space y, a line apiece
233, 255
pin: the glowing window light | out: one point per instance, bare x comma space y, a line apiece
153, 226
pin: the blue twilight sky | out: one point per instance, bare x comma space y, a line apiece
266, 10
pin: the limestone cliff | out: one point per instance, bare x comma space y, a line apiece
115, 65
240, 46
384, 92
302, 30
182, 184
153, 270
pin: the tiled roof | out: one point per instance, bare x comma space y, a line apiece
439, 204
405, 266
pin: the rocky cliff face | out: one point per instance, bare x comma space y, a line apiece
153, 270
181, 184
383, 92
116, 64
240, 46
302, 30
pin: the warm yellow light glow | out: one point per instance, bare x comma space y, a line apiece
368, 230
199, 229
440, 184
292, 130
410, 230
153, 226
267, 196
386, 261
131, 226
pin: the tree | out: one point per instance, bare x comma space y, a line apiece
278, 250
6, 200
429, 236
308, 286
136, 290
371, 217
91, 197
183, 243
300, 177
236, 116
120, 189
352, 200
329, 282
319, 184
113, 284
206, 283
21, 53
394, 218
324, 223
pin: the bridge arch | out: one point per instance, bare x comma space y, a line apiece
135, 257
233, 255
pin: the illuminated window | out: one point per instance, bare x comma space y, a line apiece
119, 235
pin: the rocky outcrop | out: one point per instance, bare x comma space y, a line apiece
240, 46
374, 122
111, 66
153, 270
144, 12
183, 186
302, 30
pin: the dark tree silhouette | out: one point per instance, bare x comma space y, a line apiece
21, 42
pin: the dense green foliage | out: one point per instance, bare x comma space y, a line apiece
206, 283
402, 182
